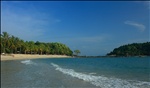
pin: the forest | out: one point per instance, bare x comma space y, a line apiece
134, 49
11, 44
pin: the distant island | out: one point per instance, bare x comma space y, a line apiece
14, 45
134, 49
129, 50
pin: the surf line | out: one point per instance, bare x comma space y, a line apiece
101, 81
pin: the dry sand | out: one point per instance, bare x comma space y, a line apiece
29, 56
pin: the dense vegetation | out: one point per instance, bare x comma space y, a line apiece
77, 52
12, 44
135, 49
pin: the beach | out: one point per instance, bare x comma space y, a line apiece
29, 56
129, 72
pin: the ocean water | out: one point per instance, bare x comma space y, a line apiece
133, 72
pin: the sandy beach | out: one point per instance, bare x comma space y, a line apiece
29, 56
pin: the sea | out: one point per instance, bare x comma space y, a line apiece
116, 72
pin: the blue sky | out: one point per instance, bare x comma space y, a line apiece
93, 27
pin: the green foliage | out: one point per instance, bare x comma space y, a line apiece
77, 52
134, 49
12, 44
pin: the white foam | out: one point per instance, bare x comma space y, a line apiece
27, 62
101, 81
92, 73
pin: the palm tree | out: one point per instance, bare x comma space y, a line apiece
47, 49
26, 47
16, 42
5, 38
41, 48
31, 46
35, 49
1, 44
20, 45
12, 45
77, 52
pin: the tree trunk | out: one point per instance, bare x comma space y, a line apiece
15, 50
12, 51
41, 52
20, 50
4, 50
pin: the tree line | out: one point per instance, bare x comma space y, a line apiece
134, 49
15, 45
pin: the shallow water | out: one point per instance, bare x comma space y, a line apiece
75, 73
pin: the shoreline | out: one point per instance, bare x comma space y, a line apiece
29, 56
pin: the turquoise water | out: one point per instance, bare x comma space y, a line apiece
133, 72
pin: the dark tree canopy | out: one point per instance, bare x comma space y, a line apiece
12, 44
77, 52
134, 49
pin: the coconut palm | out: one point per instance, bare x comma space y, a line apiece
35, 48
16, 42
21, 42
26, 48
77, 52
12, 45
47, 49
41, 48
5, 38
31, 46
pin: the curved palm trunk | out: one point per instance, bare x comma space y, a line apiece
11, 50
41, 52
15, 50
25, 51
4, 50
20, 50
34, 52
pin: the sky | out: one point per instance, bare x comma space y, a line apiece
93, 27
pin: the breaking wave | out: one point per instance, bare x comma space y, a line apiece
28, 62
102, 81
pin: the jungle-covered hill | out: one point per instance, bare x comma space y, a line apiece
134, 49
11, 44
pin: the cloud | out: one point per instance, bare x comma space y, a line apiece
20, 25
145, 3
27, 25
148, 4
139, 26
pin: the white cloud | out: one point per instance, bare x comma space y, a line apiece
27, 25
22, 26
139, 26
146, 3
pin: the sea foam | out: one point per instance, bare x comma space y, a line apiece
28, 62
102, 81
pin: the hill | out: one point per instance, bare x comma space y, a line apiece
15, 45
134, 49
